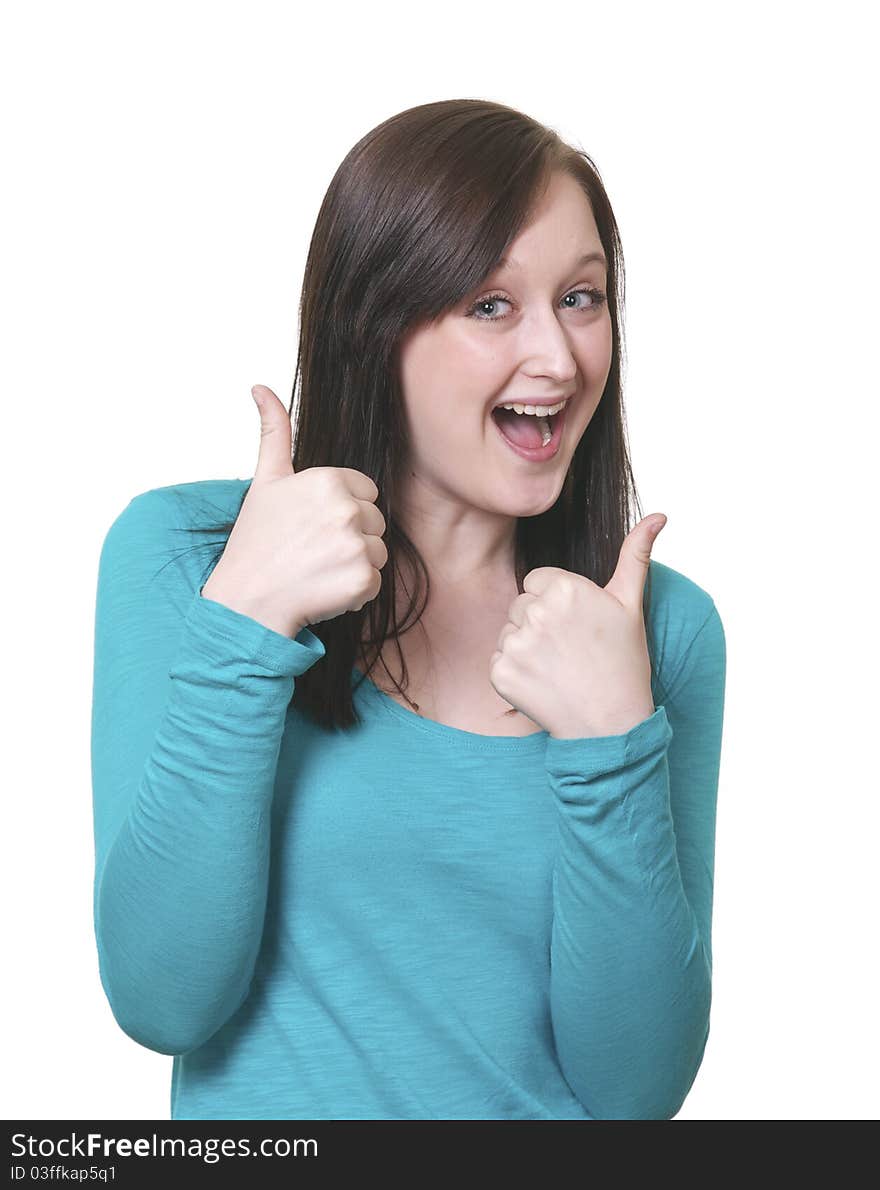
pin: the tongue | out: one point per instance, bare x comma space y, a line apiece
519, 427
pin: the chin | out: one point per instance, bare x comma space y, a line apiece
524, 507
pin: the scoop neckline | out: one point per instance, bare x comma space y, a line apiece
443, 732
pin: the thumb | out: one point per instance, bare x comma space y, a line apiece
275, 457
628, 581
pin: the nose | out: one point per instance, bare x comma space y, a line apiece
549, 352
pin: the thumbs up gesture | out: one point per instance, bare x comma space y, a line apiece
573, 656
306, 546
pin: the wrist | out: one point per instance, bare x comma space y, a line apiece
608, 725
285, 625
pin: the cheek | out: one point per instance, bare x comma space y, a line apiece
443, 435
602, 348
477, 358
593, 351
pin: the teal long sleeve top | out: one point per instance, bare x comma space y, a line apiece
403, 920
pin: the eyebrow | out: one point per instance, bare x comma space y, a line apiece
587, 258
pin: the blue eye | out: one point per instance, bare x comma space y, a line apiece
598, 299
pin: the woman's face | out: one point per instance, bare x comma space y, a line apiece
545, 334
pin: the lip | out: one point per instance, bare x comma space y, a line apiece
538, 454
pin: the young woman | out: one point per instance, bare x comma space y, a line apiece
404, 793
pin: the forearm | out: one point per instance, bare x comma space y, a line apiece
181, 903
630, 986
181, 894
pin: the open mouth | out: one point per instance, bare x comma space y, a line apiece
530, 436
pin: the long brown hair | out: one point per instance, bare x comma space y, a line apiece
417, 215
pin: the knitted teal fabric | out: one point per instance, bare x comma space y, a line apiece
403, 920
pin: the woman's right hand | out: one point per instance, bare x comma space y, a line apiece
305, 547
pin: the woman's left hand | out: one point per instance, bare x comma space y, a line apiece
573, 656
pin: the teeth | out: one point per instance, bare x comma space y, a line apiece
543, 414
536, 410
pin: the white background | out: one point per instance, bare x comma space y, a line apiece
164, 167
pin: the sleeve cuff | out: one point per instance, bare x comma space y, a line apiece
594, 756
280, 654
